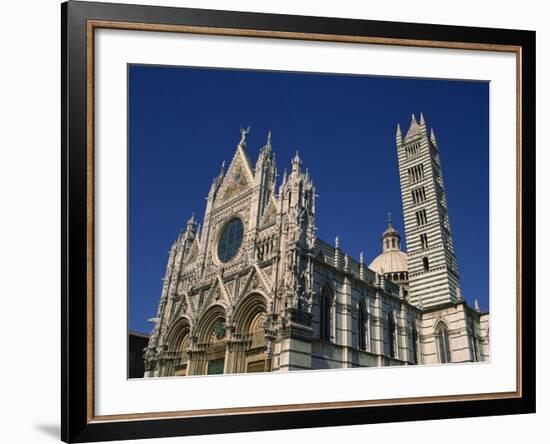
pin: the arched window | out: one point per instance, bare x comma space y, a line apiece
415, 357
475, 345
393, 243
391, 336
362, 326
442, 339
426, 264
325, 304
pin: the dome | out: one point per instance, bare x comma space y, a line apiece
391, 261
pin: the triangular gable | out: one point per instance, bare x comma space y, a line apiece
255, 281
217, 293
270, 214
239, 177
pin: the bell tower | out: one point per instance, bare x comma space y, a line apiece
433, 268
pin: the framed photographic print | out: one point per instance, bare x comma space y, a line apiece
277, 221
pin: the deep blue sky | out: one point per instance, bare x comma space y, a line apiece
184, 121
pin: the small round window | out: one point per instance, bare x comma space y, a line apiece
230, 240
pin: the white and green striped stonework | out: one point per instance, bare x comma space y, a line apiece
433, 268
255, 290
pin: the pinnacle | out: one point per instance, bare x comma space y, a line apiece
432, 136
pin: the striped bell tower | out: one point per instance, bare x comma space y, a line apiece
433, 269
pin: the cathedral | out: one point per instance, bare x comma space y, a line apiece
255, 290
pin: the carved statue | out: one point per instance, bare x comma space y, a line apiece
244, 133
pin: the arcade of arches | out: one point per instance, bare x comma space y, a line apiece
219, 347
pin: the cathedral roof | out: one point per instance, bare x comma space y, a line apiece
391, 261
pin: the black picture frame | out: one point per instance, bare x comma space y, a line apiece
77, 425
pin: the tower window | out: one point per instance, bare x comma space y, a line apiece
418, 195
426, 263
413, 150
421, 217
424, 241
416, 173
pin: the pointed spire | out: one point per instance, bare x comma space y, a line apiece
222, 169
476, 305
284, 177
296, 162
389, 220
337, 255
398, 135
361, 266
415, 129
191, 225
432, 137
268, 143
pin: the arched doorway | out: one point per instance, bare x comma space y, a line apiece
178, 343
250, 343
209, 356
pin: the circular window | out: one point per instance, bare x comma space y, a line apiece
230, 240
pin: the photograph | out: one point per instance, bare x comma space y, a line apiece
297, 221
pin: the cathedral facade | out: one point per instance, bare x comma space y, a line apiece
255, 290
